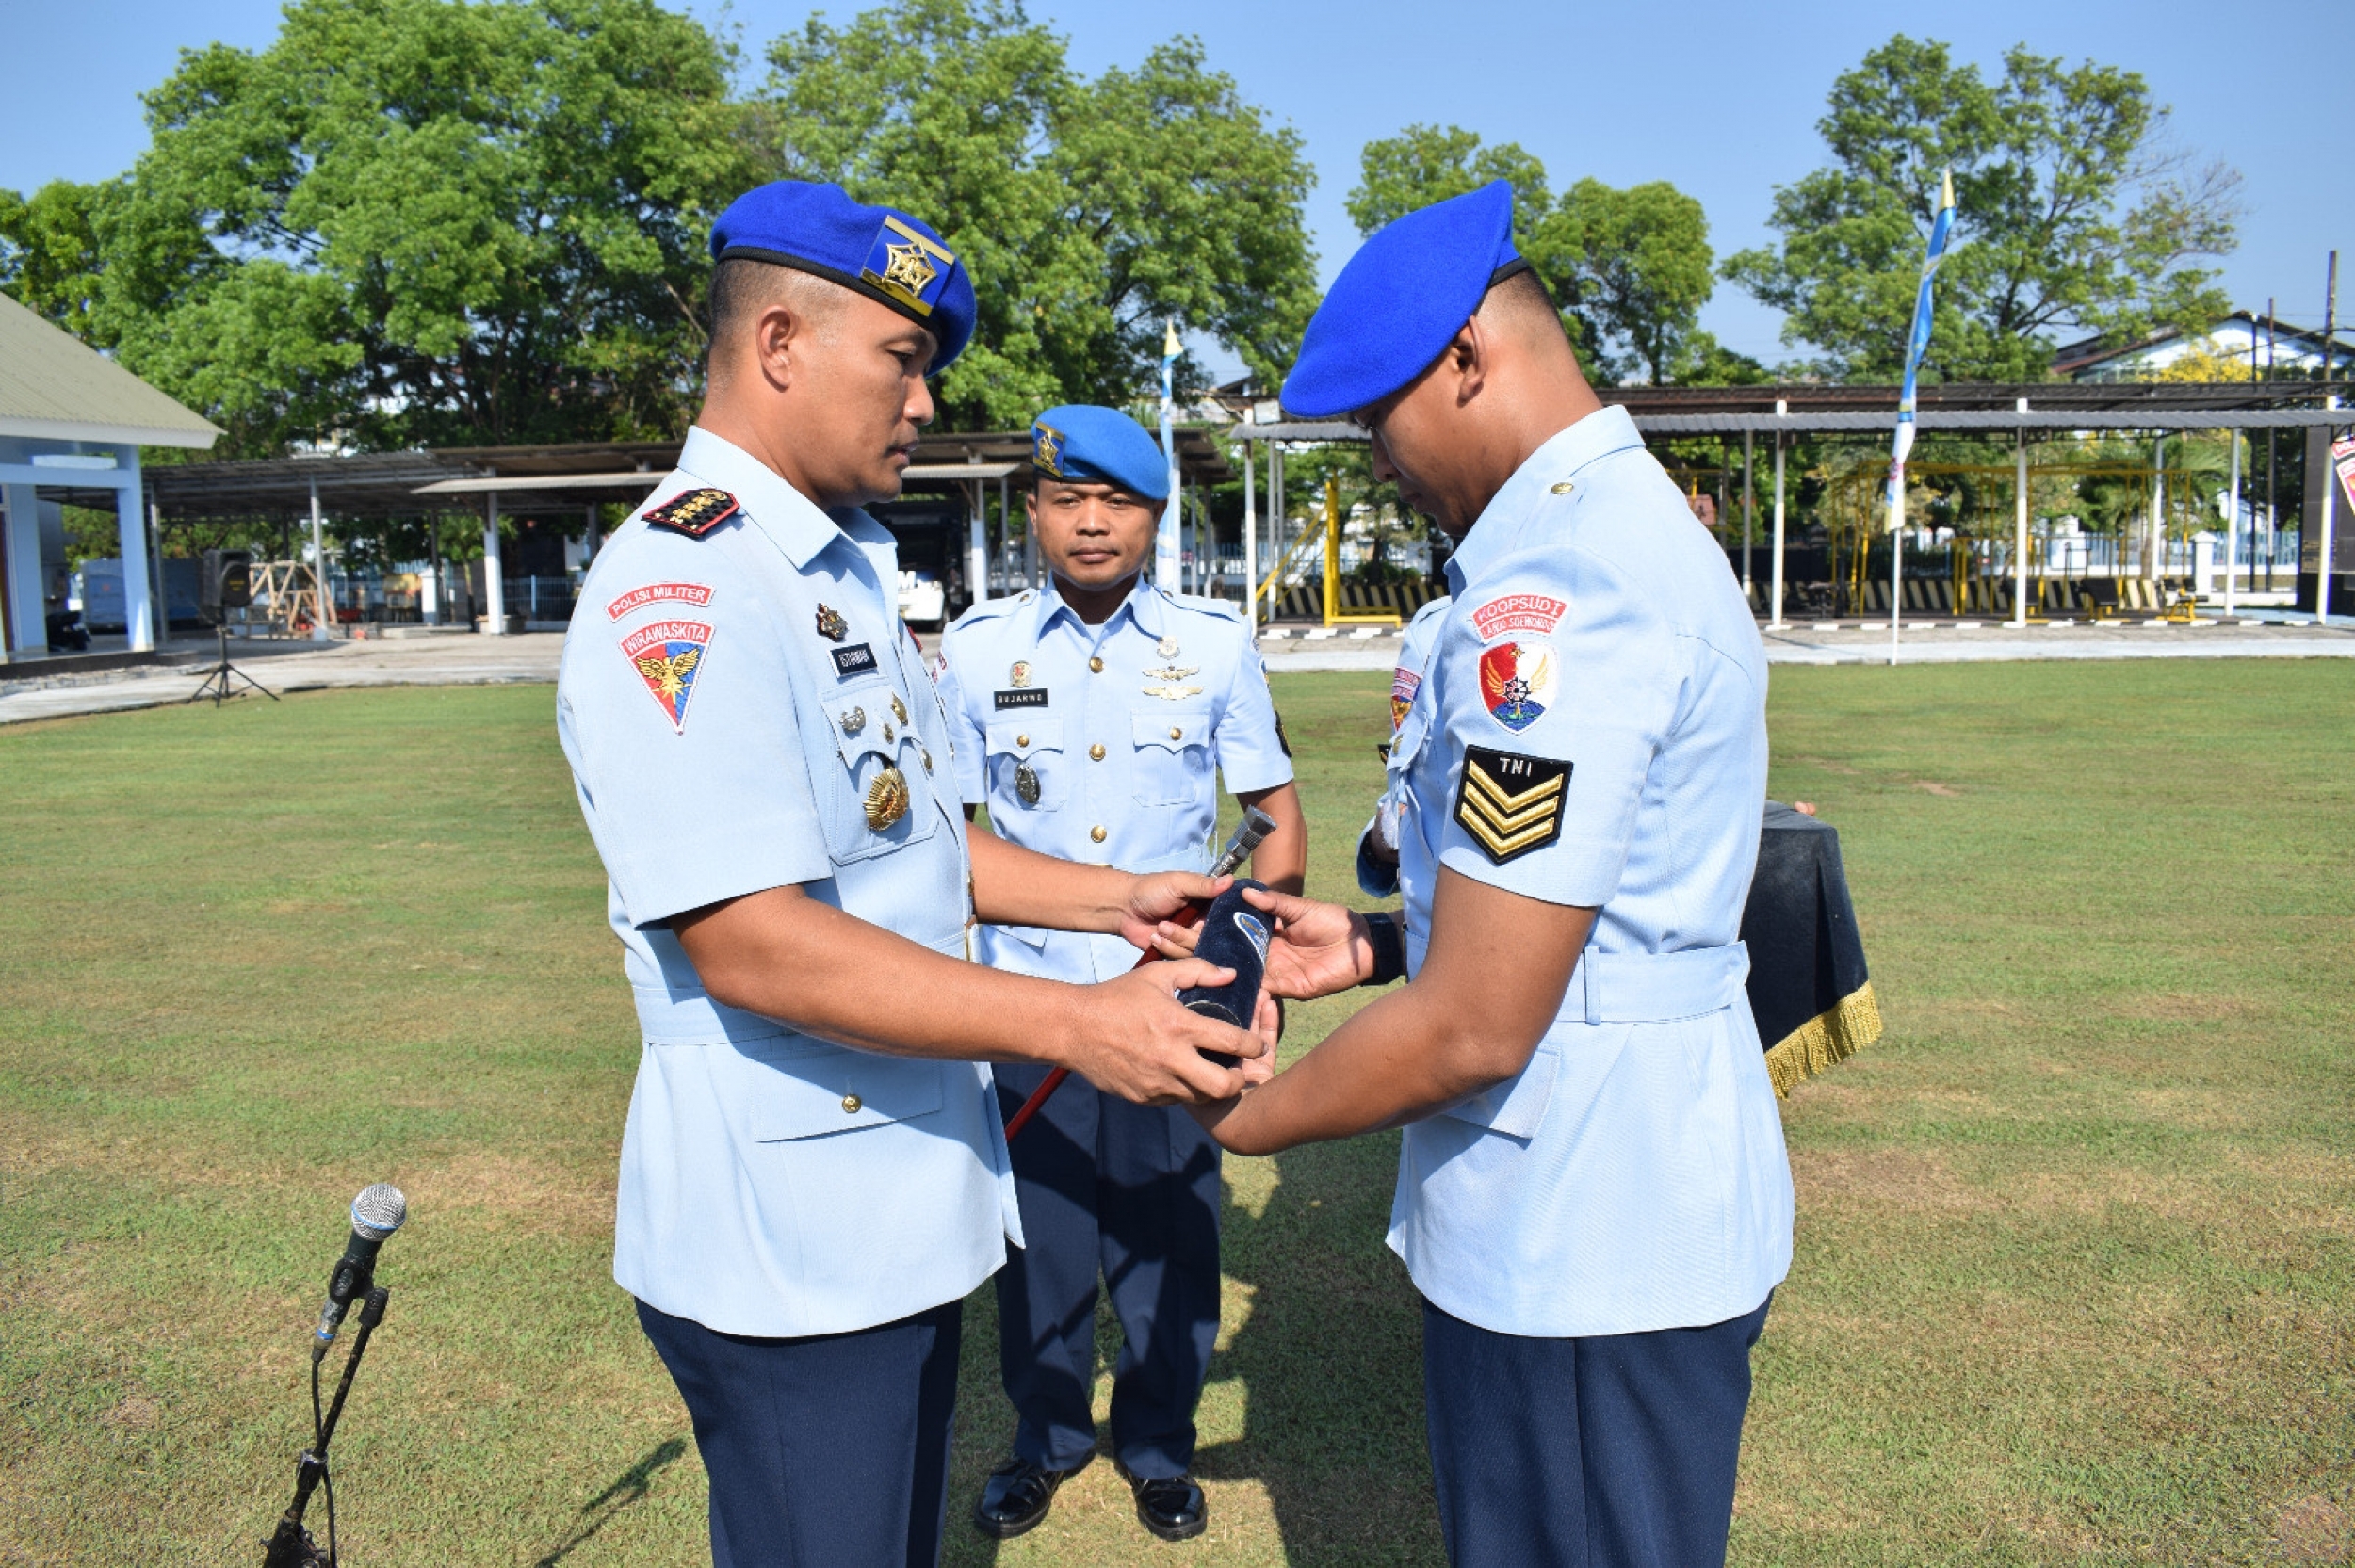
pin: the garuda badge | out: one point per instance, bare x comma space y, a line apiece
886, 799
831, 625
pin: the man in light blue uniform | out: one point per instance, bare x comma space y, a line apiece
1094, 718
814, 1172
1592, 1195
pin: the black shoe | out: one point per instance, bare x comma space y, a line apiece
1018, 1496
1172, 1507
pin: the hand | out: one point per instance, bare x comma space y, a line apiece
1142, 1045
1317, 948
1154, 898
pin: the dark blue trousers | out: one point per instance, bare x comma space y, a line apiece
826, 1452
1615, 1452
1132, 1190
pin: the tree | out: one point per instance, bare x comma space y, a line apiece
2043, 162
409, 221
1090, 212
1631, 268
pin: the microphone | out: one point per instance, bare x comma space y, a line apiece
376, 1213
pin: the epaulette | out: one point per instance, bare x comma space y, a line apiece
693, 512
1202, 603
990, 610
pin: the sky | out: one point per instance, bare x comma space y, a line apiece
1719, 99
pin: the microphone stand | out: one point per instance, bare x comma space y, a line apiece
290, 1545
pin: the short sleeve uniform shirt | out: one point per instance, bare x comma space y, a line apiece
744, 711
1590, 730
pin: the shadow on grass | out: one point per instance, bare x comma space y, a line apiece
627, 1488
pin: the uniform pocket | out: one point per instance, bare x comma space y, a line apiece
879, 798
1032, 746
796, 1087
1173, 757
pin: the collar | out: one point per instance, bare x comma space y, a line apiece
1509, 514
792, 520
1146, 605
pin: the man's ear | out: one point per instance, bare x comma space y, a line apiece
1471, 355
777, 335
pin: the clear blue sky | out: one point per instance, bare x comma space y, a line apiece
1720, 99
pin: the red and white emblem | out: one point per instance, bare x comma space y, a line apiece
656, 593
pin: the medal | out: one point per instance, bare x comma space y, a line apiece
853, 720
1019, 676
1173, 693
1026, 783
831, 625
1173, 672
886, 799
1166, 647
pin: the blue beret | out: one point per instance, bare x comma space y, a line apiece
1401, 300
1099, 446
883, 254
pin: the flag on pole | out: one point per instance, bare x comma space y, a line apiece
1916, 346
1165, 563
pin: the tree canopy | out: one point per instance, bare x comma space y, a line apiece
1631, 268
2073, 213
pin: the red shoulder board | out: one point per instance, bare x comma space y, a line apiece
693, 512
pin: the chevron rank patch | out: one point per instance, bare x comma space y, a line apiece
693, 512
1510, 803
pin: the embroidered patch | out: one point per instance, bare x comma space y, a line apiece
1511, 803
1516, 680
907, 266
655, 593
1025, 697
668, 656
855, 659
1518, 612
1404, 683
693, 512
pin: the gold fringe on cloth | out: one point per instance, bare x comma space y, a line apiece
1828, 1038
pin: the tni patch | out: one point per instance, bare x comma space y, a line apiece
669, 658
693, 512
1511, 803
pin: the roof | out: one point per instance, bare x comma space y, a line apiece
55, 387
2074, 359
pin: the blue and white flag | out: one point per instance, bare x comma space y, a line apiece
1917, 345
1166, 571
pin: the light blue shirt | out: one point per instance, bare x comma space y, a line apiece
730, 706
1598, 669
1105, 743
1377, 874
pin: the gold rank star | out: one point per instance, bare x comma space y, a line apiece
909, 269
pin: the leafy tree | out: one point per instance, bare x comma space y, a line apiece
1632, 269
2044, 160
1090, 212
411, 220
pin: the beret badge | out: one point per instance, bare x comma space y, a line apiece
907, 266
1047, 449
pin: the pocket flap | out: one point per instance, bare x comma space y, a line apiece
1172, 731
1019, 737
858, 715
1517, 1106
798, 1087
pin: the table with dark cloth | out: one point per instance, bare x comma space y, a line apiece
1808, 987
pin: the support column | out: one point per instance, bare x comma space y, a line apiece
2019, 527
1774, 602
138, 597
2330, 493
320, 631
2232, 527
589, 535
1749, 510
2155, 545
977, 546
493, 568
28, 625
1250, 544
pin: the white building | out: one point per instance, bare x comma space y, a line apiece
2280, 349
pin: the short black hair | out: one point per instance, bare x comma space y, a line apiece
743, 286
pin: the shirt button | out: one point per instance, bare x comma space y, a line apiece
851, 1103
1096, 667
1096, 752
928, 761
1096, 833
1022, 740
1177, 733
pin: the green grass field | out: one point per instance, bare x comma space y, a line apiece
2075, 1277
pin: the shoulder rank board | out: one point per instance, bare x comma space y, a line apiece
693, 512
1511, 803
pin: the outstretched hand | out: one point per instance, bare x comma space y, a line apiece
1155, 897
1316, 949
1142, 1045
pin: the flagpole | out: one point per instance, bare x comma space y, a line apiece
1917, 344
1165, 540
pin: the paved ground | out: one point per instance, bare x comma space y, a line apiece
462, 658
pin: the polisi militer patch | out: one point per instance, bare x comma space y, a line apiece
693, 512
669, 658
1510, 803
696, 594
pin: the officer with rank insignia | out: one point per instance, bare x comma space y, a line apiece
1593, 1196
1094, 718
814, 1170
